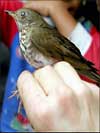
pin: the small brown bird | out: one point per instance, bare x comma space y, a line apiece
43, 45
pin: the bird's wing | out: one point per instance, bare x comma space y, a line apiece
50, 41
52, 44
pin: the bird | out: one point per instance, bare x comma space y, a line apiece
42, 44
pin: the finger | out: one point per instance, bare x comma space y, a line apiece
82, 90
31, 93
32, 4
70, 76
93, 104
95, 89
50, 81
57, 91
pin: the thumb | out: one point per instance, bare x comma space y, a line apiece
33, 5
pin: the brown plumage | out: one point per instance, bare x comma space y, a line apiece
42, 45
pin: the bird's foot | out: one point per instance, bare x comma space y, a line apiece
20, 106
16, 93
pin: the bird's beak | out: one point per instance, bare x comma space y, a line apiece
11, 13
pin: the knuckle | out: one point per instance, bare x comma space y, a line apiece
63, 63
87, 92
66, 100
62, 99
44, 114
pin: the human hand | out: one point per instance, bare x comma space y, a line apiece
56, 99
47, 7
58, 11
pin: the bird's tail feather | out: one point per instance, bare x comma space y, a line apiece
92, 72
93, 75
96, 77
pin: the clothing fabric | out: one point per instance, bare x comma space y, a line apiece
11, 121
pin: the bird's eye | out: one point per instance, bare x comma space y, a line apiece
23, 14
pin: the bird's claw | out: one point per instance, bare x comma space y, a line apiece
14, 93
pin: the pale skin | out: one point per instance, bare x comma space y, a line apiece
54, 97
58, 11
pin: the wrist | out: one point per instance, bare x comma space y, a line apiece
63, 20
55, 9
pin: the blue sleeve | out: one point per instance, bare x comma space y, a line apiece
11, 121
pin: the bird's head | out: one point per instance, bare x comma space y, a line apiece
25, 16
